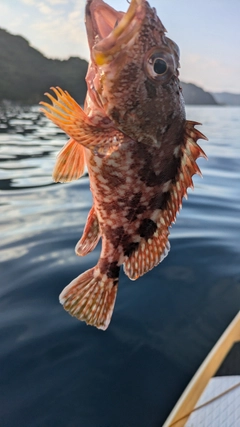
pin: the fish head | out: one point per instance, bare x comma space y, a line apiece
133, 71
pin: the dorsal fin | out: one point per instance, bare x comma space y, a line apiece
151, 252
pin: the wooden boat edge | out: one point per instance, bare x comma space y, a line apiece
208, 368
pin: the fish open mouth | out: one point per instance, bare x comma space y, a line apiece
108, 30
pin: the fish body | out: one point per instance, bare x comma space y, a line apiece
137, 144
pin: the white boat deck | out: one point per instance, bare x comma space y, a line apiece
218, 395
222, 412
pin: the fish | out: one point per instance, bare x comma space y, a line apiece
140, 151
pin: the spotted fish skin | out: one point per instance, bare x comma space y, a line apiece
139, 148
130, 191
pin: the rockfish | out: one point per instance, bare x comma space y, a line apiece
139, 149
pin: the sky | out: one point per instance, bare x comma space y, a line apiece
207, 32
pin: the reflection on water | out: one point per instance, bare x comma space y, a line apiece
28, 147
56, 371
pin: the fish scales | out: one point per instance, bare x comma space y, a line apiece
124, 200
139, 149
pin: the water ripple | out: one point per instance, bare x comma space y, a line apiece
57, 371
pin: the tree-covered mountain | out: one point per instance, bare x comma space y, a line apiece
195, 95
227, 98
25, 74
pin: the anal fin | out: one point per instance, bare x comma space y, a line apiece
91, 235
70, 162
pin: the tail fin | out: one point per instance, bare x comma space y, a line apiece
91, 298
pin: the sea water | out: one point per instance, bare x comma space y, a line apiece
54, 370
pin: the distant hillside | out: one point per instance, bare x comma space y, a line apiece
227, 98
194, 95
25, 74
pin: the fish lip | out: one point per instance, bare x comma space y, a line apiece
105, 38
93, 10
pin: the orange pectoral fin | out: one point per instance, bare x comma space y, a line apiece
70, 162
70, 117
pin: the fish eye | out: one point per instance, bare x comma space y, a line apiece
159, 65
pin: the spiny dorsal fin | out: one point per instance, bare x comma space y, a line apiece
151, 252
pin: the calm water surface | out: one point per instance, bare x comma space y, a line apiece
56, 371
